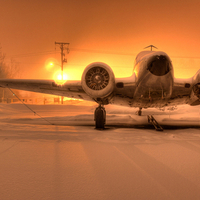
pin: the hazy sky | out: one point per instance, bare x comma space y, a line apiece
29, 30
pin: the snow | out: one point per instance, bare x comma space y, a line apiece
72, 160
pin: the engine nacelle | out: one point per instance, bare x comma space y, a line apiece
195, 94
98, 81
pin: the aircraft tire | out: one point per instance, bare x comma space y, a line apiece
100, 118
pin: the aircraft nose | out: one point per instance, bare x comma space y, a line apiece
159, 65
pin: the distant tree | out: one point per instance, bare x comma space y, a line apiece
2, 64
7, 71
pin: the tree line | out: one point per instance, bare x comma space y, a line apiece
7, 70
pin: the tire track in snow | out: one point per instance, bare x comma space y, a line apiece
142, 171
171, 183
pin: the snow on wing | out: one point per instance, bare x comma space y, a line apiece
72, 89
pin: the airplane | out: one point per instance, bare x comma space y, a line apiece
152, 85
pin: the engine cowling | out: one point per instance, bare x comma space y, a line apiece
195, 94
98, 81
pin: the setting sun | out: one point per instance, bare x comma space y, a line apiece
59, 77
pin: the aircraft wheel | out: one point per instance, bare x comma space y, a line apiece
100, 117
139, 112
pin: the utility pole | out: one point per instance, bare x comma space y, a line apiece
62, 48
63, 59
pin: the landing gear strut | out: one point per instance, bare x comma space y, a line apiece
100, 117
139, 112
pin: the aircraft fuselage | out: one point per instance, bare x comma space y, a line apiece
154, 79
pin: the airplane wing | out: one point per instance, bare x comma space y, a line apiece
187, 90
182, 87
98, 84
72, 89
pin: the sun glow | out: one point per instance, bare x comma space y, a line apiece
60, 77
51, 63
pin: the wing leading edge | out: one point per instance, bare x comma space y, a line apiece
72, 89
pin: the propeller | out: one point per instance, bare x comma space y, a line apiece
97, 78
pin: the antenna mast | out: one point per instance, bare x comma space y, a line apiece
151, 47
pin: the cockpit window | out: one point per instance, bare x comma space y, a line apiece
159, 65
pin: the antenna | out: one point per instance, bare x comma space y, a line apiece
151, 47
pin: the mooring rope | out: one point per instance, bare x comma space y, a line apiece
31, 109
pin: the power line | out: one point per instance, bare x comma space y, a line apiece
184, 57
34, 54
94, 51
102, 52
74, 49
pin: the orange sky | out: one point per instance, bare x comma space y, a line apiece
29, 30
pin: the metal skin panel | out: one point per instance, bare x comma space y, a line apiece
154, 85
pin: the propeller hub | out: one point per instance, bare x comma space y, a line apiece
97, 78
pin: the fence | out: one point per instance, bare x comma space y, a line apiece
33, 100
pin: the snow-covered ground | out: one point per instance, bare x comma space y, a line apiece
72, 160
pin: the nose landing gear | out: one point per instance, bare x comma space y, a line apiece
100, 117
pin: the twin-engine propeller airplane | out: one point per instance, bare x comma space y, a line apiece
152, 84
